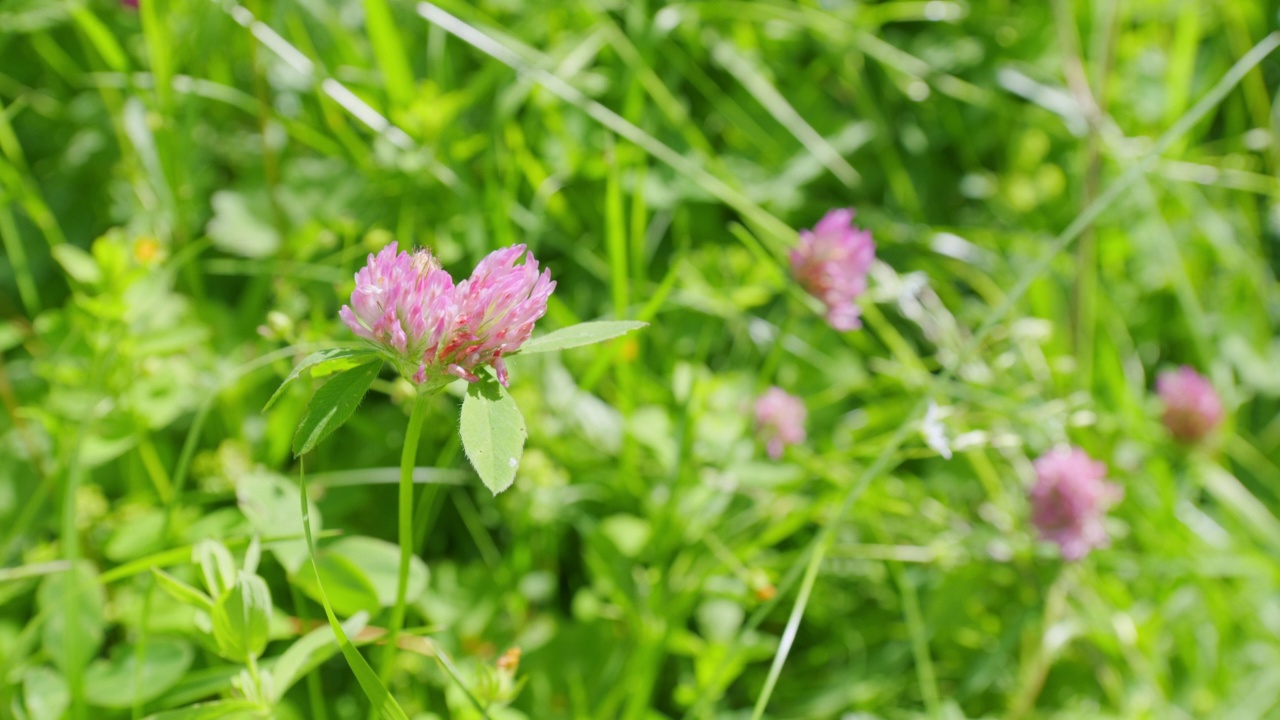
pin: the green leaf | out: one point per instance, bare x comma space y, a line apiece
332, 405
493, 433
319, 362
79, 264
218, 710
630, 534
137, 674
379, 697
85, 614
44, 694
343, 581
242, 618
182, 591
217, 565
200, 684
10, 336
241, 224
379, 561
142, 535
252, 556
270, 504
587, 333
308, 652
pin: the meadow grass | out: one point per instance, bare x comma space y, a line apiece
1066, 199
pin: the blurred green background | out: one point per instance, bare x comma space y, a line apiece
186, 189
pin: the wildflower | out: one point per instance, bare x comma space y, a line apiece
1191, 406
1068, 500
831, 263
408, 306
935, 434
497, 307
780, 420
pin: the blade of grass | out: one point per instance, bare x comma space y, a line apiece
33, 570
1085, 290
69, 539
919, 640
169, 166
315, 694
18, 257
746, 72
616, 242
101, 37
379, 697
663, 98
388, 49
18, 175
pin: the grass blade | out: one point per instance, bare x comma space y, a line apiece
389, 51
379, 697
770, 99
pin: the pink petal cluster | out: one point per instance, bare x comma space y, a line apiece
1069, 499
1191, 406
780, 420
831, 263
408, 306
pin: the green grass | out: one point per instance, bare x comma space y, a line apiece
1066, 197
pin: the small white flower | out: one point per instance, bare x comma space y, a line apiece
935, 435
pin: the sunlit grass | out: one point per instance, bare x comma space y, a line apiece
1066, 200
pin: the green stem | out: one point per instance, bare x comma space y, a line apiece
1036, 668
71, 601
257, 678
771, 361
919, 641
408, 457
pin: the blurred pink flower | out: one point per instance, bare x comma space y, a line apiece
1069, 499
408, 306
1191, 406
831, 262
780, 420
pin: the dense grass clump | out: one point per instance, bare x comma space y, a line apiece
1009, 446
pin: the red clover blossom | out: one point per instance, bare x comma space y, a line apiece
1069, 499
780, 420
1191, 406
831, 262
408, 306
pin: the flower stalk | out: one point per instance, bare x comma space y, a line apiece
408, 461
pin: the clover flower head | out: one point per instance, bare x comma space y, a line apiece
1192, 408
407, 306
831, 262
1069, 499
780, 419
497, 307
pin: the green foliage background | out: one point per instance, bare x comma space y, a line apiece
186, 190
